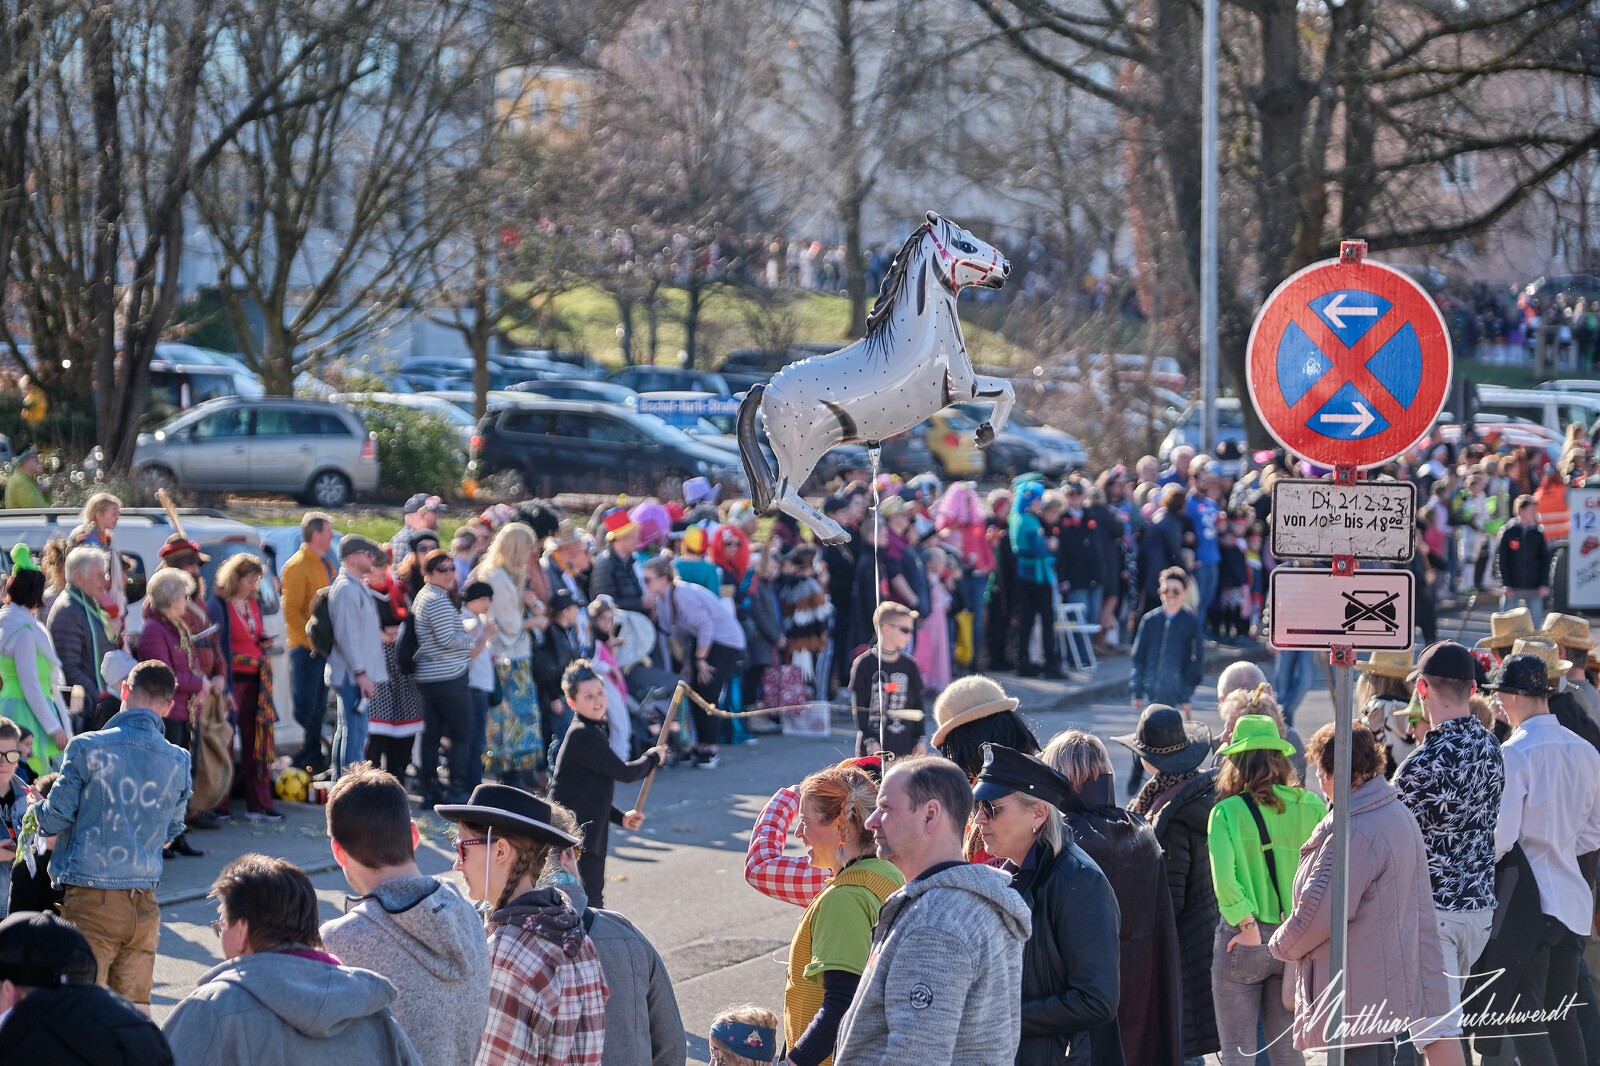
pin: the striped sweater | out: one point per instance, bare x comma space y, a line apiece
444, 647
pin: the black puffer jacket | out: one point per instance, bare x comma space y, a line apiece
81, 1025
1180, 826
1069, 966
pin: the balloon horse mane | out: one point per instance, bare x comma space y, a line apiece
911, 364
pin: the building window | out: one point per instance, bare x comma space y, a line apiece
1459, 172
569, 110
538, 106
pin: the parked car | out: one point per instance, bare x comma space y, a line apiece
246, 381
592, 391
432, 373
710, 419
1230, 427
180, 386
671, 379
906, 453
1583, 385
1551, 409
445, 411
952, 438
552, 446
320, 452
141, 531
1028, 444
580, 364
467, 400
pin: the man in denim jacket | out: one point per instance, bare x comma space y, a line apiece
122, 796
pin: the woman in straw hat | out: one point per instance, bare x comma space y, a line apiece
1572, 635
1383, 694
1261, 818
971, 712
547, 993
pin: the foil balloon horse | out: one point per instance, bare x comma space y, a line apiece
912, 363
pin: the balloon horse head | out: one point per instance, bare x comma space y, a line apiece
911, 364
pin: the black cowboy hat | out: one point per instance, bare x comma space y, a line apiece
510, 810
1167, 742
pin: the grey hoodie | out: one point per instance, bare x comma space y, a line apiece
944, 981
428, 940
282, 1009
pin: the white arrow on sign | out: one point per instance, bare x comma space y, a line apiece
1336, 311
1361, 419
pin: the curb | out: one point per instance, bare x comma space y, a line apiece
189, 895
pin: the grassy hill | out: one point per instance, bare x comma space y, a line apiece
587, 319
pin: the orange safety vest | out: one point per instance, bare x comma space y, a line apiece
1554, 518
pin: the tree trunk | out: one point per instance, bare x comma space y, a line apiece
277, 365
855, 272
691, 315
478, 341
625, 314
108, 208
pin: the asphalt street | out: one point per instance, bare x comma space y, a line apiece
680, 878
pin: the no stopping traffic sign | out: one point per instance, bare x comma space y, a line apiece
1349, 363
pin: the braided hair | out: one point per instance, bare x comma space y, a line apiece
530, 861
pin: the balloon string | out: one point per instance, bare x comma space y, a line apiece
874, 453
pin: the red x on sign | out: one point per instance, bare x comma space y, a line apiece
1349, 363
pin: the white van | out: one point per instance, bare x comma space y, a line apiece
141, 531
1549, 408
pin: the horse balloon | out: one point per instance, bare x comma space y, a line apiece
912, 363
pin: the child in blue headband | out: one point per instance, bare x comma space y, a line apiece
744, 1036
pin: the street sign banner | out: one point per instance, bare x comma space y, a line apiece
1349, 363
1369, 609
1583, 549
1320, 519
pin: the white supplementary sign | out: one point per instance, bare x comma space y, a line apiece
1369, 610
1320, 519
1583, 548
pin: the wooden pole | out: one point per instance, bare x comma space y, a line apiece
666, 723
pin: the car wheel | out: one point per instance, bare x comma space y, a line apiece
153, 478
329, 489
669, 486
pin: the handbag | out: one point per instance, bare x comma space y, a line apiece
783, 685
213, 754
1290, 969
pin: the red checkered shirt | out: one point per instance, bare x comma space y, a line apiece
545, 1009
771, 872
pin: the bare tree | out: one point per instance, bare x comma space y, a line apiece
1337, 119
321, 214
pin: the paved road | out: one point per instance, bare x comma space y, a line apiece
680, 879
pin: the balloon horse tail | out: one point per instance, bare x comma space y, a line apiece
756, 470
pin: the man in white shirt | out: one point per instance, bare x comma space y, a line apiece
1551, 809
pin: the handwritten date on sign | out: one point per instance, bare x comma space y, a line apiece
1316, 519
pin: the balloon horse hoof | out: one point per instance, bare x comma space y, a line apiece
911, 364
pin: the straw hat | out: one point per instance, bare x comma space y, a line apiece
1387, 664
966, 700
1554, 664
1505, 627
566, 534
1568, 630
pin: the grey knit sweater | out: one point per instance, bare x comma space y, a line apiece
943, 983
428, 940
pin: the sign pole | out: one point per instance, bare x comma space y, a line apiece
1342, 657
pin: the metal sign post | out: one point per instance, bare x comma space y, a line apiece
1343, 660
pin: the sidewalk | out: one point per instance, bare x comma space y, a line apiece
1109, 680
302, 839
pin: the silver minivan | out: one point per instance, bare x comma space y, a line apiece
317, 451
1549, 408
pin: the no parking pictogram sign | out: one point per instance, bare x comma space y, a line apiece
1349, 363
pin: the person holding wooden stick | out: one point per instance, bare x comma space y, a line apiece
587, 772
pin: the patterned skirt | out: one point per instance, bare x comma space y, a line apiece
515, 746
396, 707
